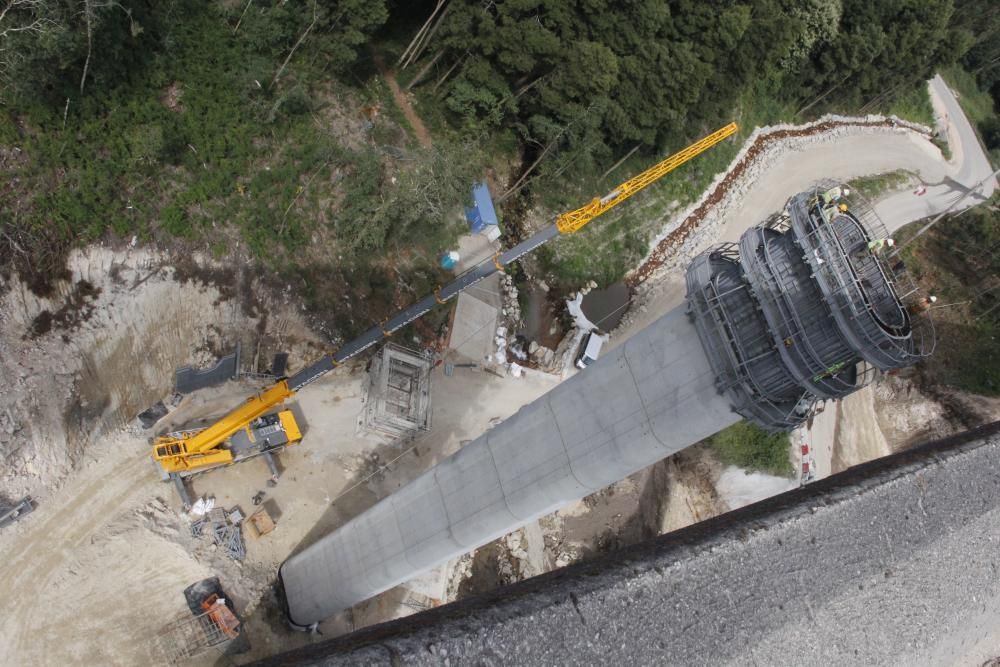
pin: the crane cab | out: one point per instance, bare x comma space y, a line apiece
266, 433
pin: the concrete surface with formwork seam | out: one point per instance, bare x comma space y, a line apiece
892, 562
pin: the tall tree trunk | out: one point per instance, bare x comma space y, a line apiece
822, 96
517, 184
249, 2
417, 52
420, 33
423, 72
622, 161
302, 38
449, 71
88, 17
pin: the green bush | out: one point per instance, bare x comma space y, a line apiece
750, 447
958, 260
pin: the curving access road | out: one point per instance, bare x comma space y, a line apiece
844, 158
969, 168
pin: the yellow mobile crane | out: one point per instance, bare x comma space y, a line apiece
252, 429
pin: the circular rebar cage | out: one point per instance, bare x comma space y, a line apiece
809, 305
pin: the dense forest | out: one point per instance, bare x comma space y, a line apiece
268, 124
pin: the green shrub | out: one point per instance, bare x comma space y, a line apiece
750, 447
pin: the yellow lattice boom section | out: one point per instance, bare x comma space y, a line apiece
572, 221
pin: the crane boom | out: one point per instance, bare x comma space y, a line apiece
248, 431
187, 450
574, 220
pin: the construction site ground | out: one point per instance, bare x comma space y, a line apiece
101, 564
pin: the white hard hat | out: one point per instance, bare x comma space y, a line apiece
846, 191
890, 242
933, 299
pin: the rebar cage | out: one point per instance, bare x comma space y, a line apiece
809, 306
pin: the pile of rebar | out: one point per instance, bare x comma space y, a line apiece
226, 533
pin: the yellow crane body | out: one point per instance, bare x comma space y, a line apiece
184, 452
572, 221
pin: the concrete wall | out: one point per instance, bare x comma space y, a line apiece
890, 563
639, 403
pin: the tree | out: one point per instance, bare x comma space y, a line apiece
49, 48
333, 30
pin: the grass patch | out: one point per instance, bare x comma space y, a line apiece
977, 104
913, 105
958, 260
873, 187
615, 243
750, 447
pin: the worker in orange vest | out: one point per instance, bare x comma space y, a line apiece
922, 305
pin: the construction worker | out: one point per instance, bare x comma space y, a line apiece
828, 202
830, 371
833, 195
876, 246
922, 305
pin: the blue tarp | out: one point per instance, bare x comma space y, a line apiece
482, 213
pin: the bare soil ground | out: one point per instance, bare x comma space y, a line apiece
419, 129
896, 412
666, 496
103, 560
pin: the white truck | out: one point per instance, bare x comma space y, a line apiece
590, 349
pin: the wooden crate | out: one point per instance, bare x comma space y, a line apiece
259, 523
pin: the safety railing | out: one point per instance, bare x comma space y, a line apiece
868, 288
740, 349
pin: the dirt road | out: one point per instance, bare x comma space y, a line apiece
78, 587
403, 102
100, 566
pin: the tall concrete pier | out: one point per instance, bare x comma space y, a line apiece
809, 306
645, 400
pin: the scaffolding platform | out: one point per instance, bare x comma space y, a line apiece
398, 393
809, 306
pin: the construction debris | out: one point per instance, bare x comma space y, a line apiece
202, 506
224, 527
213, 625
11, 513
260, 523
188, 379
